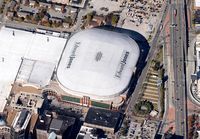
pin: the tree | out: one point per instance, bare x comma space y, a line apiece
42, 13
15, 14
21, 19
28, 17
89, 16
114, 19
63, 10
1, 10
68, 20
143, 107
37, 17
36, 4
47, 24
156, 65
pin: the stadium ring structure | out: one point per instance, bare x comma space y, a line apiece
98, 64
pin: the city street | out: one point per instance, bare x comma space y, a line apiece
174, 16
179, 48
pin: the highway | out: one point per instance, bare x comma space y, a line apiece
179, 51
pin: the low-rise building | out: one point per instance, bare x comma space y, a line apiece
134, 130
96, 21
58, 7
59, 126
197, 18
12, 5
55, 19
28, 9
19, 124
10, 14
103, 119
197, 45
149, 129
90, 133
61, 1
196, 77
31, 2
4, 128
76, 1
29, 101
197, 4
142, 130
23, 14
45, 5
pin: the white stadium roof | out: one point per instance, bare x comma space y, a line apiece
98, 63
35, 72
17, 44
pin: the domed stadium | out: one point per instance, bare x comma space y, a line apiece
98, 64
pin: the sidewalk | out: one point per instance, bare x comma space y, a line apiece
169, 114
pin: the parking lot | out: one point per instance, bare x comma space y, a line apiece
141, 16
104, 6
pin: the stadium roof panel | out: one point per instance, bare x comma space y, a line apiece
98, 63
35, 72
17, 44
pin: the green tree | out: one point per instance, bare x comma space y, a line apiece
68, 19
139, 107
37, 17
28, 17
89, 16
114, 19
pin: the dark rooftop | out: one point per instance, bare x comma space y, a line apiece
103, 117
22, 118
44, 123
77, 1
61, 124
58, 125
197, 16
80, 137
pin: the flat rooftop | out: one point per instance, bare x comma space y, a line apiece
27, 100
57, 125
35, 72
102, 117
17, 44
21, 120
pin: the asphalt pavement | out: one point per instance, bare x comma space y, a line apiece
179, 48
